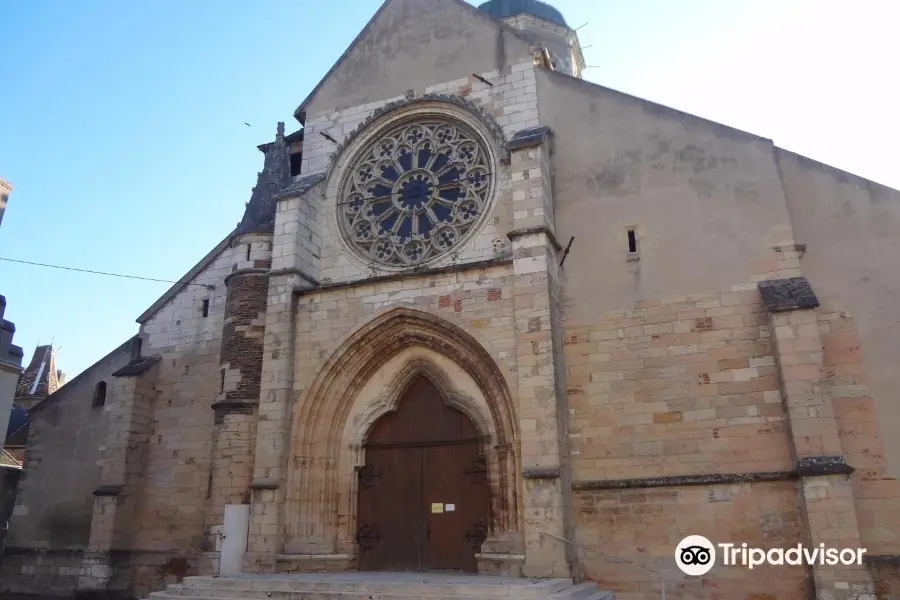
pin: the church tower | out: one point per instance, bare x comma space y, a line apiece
241, 357
545, 26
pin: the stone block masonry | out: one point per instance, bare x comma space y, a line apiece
242, 336
697, 414
685, 386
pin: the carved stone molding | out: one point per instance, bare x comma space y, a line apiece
476, 109
540, 473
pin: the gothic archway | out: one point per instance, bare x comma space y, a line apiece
349, 394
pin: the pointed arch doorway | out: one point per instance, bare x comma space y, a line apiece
424, 494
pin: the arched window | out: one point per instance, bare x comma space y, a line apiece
100, 394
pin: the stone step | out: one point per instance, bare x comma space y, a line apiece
318, 595
582, 591
272, 588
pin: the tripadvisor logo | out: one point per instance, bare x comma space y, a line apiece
695, 555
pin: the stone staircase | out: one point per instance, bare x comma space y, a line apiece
378, 586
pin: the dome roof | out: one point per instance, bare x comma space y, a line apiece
500, 9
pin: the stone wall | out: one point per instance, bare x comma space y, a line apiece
675, 392
684, 386
42, 571
643, 526
678, 427
851, 227
51, 522
171, 514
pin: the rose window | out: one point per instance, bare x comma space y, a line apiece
415, 192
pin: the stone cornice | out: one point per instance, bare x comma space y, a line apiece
517, 233
247, 271
812, 466
455, 268
683, 480
528, 138
293, 271
540, 473
108, 490
781, 295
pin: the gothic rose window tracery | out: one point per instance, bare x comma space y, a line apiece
414, 193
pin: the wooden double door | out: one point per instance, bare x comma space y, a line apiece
423, 492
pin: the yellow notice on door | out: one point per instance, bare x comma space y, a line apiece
437, 507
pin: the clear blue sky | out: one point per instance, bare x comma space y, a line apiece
122, 123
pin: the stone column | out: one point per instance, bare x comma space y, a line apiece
543, 412
241, 358
825, 494
128, 400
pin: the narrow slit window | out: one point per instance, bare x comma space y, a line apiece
222, 381
632, 241
248, 251
99, 394
205, 309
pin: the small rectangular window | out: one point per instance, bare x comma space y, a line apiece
248, 251
222, 381
632, 241
205, 308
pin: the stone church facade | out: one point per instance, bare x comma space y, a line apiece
482, 315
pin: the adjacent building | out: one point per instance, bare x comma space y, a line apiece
10, 369
5, 190
482, 315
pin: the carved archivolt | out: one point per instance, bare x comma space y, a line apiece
330, 424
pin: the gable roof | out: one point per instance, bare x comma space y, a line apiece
300, 112
186, 280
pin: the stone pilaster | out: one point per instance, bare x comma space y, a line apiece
543, 413
128, 399
294, 267
266, 537
825, 494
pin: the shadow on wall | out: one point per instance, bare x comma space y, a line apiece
67, 524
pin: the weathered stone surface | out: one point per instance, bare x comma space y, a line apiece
823, 465
528, 138
788, 294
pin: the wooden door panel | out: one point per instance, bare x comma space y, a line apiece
425, 453
453, 536
390, 522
